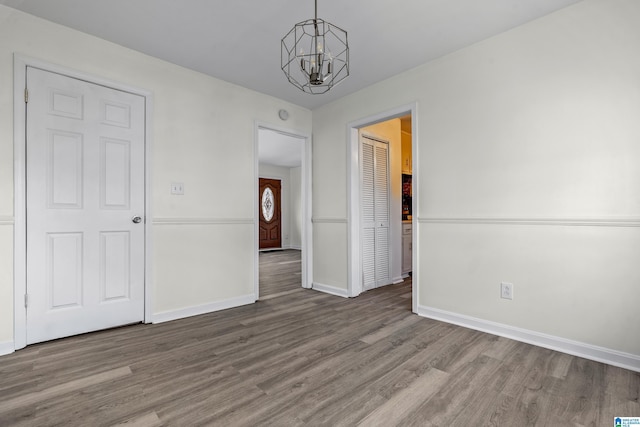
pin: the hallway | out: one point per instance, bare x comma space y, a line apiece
280, 272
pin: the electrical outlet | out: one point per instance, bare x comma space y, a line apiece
177, 188
506, 290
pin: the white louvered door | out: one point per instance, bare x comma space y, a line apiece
85, 192
374, 174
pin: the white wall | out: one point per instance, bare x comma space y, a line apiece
528, 154
329, 198
203, 136
528, 160
295, 228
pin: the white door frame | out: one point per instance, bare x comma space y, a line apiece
354, 265
307, 232
20, 64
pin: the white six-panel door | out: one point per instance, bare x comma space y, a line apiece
375, 212
85, 186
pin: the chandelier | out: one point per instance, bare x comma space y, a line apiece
315, 55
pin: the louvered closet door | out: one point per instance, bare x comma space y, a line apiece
375, 212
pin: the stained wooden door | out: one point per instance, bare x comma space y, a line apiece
270, 215
85, 206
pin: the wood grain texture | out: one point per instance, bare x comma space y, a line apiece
303, 358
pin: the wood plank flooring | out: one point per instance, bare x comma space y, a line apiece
303, 358
280, 273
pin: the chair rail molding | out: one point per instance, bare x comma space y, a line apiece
327, 220
577, 222
6, 220
200, 221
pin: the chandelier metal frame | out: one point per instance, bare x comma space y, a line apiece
307, 57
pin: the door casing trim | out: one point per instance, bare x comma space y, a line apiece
354, 265
307, 227
20, 64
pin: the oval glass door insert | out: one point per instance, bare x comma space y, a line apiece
267, 204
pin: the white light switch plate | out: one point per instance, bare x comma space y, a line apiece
177, 188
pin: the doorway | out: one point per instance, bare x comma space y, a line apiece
283, 178
80, 203
405, 223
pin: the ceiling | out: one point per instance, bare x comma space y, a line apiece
277, 149
239, 41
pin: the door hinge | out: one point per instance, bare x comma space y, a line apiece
26, 95
26, 300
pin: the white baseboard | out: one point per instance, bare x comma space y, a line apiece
330, 290
397, 280
281, 248
167, 316
575, 348
7, 347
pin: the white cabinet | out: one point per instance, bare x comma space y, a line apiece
407, 243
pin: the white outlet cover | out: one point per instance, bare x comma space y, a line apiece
506, 290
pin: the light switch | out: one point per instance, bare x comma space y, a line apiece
177, 188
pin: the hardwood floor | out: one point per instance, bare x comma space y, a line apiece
302, 358
280, 272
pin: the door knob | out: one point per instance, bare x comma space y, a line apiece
136, 219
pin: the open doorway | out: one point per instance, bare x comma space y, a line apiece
283, 223
397, 128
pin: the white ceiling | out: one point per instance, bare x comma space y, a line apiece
277, 149
239, 41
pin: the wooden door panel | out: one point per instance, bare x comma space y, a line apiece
270, 223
